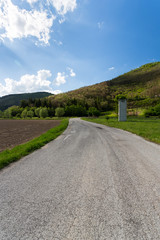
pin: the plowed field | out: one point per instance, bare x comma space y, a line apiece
15, 132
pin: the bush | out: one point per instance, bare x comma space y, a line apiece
59, 112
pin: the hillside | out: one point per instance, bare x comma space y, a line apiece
141, 87
15, 99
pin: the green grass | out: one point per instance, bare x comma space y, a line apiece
146, 128
9, 156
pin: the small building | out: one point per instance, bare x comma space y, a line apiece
122, 110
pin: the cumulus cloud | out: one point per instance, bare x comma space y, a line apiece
60, 79
27, 83
63, 6
20, 23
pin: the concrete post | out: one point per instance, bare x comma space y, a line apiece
122, 110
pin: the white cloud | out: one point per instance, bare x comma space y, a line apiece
20, 23
32, 1
111, 68
72, 73
27, 83
60, 79
57, 92
62, 20
63, 6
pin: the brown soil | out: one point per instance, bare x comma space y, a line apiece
15, 132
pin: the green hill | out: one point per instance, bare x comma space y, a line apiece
15, 99
141, 87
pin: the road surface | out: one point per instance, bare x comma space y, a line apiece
91, 183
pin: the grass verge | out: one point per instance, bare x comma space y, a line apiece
146, 128
9, 156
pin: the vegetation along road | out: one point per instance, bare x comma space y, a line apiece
92, 183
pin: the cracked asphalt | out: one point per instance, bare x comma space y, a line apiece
91, 183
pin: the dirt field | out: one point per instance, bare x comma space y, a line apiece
15, 132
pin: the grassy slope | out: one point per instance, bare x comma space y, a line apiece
137, 85
146, 128
9, 156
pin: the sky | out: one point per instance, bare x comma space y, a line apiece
61, 45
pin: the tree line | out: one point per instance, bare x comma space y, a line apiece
44, 112
48, 107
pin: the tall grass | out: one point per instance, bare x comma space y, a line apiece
9, 156
146, 128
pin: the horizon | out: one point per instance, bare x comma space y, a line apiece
60, 46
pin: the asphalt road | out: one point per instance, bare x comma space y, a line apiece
91, 183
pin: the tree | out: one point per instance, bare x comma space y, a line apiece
37, 103
104, 105
30, 113
77, 111
119, 97
7, 113
24, 103
43, 112
24, 113
13, 111
1, 114
59, 112
51, 112
37, 112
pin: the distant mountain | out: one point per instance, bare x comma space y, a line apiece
141, 87
15, 99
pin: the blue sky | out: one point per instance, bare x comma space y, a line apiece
61, 45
